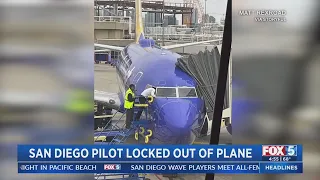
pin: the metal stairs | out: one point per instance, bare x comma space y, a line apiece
114, 132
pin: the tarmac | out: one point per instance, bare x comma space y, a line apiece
105, 80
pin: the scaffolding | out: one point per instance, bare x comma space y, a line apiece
126, 8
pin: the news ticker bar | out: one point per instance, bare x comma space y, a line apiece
222, 168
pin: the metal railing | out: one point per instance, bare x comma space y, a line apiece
188, 5
182, 37
121, 19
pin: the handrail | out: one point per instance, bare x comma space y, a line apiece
125, 19
122, 17
96, 138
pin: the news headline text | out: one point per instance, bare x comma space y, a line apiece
153, 153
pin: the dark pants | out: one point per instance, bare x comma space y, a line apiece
142, 100
129, 117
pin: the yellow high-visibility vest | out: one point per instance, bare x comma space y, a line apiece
127, 104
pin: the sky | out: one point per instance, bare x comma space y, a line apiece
215, 8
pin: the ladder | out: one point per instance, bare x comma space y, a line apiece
115, 133
102, 113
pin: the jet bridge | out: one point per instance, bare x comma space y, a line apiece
204, 68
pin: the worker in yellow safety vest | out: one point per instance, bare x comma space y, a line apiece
128, 105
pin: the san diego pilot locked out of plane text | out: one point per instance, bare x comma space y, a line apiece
265, 15
101, 153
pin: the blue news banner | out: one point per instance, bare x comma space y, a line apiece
231, 159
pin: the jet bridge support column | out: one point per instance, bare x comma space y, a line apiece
190, 20
115, 8
174, 17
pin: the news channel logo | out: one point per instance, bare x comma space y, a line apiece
112, 167
276, 150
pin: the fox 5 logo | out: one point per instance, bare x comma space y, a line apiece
112, 167
291, 150
276, 150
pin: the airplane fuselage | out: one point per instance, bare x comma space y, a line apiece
176, 120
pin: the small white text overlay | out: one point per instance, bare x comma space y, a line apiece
265, 15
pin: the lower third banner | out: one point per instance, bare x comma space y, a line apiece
224, 168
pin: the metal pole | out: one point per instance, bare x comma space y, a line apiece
163, 23
205, 11
221, 86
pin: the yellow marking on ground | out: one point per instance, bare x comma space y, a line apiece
100, 138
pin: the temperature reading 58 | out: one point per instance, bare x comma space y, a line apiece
286, 158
